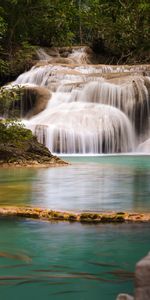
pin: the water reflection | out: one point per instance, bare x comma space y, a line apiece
97, 184
16, 186
141, 189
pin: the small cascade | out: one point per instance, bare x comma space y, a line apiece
50, 76
80, 56
42, 55
132, 97
93, 108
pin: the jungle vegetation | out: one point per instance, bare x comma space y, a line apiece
118, 28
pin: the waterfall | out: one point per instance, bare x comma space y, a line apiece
93, 108
132, 97
83, 128
79, 56
42, 55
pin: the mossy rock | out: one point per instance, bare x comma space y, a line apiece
72, 218
58, 216
107, 218
33, 215
91, 216
120, 213
27, 152
112, 218
119, 218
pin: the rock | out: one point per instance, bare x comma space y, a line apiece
61, 60
142, 279
32, 101
124, 297
142, 273
142, 293
28, 152
53, 51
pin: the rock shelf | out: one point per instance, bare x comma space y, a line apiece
86, 217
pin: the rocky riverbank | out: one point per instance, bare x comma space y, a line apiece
28, 153
92, 217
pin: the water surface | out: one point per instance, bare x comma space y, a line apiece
69, 261
94, 183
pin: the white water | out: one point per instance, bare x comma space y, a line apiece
89, 113
83, 128
144, 147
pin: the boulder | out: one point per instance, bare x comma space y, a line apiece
32, 101
124, 297
142, 279
27, 152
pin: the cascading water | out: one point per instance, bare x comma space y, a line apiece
92, 109
132, 97
83, 128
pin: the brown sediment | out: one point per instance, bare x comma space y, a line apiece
92, 218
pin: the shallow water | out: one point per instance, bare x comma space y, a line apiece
94, 183
69, 261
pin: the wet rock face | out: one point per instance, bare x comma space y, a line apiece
142, 279
32, 101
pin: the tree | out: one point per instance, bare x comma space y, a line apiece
118, 28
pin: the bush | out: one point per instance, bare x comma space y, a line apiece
13, 132
8, 97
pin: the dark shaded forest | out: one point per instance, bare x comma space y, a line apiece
117, 29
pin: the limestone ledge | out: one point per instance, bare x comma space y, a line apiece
85, 217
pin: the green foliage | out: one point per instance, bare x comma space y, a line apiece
123, 26
2, 27
120, 27
21, 59
8, 96
4, 67
13, 132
